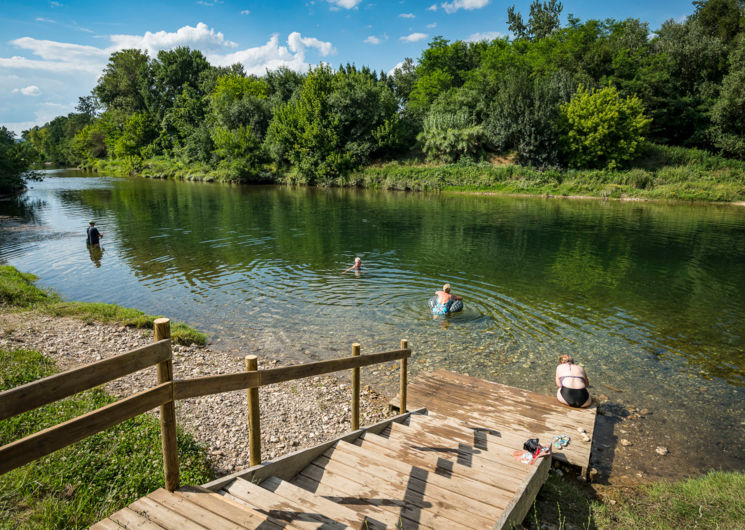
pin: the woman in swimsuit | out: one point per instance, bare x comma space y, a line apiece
444, 300
572, 382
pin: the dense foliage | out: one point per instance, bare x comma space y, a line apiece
586, 95
15, 159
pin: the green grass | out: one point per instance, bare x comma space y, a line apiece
17, 290
85, 482
714, 500
660, 173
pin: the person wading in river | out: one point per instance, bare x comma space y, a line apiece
93, 235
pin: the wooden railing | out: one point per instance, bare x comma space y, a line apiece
44, 391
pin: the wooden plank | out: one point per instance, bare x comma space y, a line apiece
214, 384
377, 492
227, 508
442, 463
464, 452
42, 443
129, 519
55, 387
470, 489
280, 508
191, 511
106, 524
161, 515
514, 514
336, 511
367, 510
416, 481
290, 465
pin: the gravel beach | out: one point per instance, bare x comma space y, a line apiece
294, 414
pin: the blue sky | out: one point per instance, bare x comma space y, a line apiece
51, 52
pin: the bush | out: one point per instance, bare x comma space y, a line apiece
601, 129
448, 137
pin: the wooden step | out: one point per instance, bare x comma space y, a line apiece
295, 512
162, 515
127, 518
463, 453
380, 492
339, 513
228, 508
416, 479
442, 463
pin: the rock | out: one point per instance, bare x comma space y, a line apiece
593, 474
625, 442
661, 450
644, 412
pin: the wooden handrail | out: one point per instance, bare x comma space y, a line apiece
213, 384
50, 389
42, 443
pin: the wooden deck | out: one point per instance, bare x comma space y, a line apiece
448, 466
511, 411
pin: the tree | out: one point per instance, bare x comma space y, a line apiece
172, 72
124, 82
15, 159
728, 113
543, 21
601, 128
450, 137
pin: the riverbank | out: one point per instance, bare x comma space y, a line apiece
661, 173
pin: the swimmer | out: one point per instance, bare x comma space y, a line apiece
356, 267
572, 382
445, 301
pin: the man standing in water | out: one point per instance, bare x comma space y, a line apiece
93, 234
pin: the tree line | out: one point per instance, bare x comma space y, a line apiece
585, 94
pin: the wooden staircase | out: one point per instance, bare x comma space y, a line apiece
451, 468
428, 472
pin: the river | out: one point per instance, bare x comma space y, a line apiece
649, 297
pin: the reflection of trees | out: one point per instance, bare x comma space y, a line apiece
677, 269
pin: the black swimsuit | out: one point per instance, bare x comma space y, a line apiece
575, 397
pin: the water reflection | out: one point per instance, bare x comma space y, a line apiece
649, 296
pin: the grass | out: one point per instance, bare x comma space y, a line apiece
661, 172
714, 500
85, 482
17, 290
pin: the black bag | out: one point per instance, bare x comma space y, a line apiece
531, 445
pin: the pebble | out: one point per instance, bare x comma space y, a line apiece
661, 450
294, 415
625, 442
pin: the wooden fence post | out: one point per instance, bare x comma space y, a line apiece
168, 440
254, 425
404, 378
355, 390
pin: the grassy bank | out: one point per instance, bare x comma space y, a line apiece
18, 291
714, 500
79, 485
661, 173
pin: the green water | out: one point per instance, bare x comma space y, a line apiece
650, 297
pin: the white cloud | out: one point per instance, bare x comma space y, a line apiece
372, 40
486, 35
245, 12
407, 15
47, 20
455, 5
433, 7
54, 4
393, 70
346, 4
208, 3
414, 37
433, 25
200, 37
31, 90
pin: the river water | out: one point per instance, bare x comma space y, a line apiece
649, 297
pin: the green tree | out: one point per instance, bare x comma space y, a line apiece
543, 20
124, 82
450, 137
728, 113
138, 132
15, 160
601, 128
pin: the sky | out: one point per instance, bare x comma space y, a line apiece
52, 52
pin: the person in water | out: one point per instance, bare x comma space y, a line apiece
356, 267
93, 235
572, 382
444, 300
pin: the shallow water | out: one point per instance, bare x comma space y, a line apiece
649, 297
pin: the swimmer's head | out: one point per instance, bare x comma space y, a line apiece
357, 260
446, 288
565, 359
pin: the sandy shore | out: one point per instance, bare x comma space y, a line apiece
294, 415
